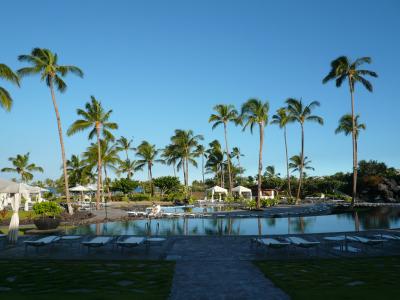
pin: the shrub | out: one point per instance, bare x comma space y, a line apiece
251, 204
47, 209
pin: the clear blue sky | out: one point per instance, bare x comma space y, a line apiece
162, 65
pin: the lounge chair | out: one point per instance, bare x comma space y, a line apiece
343, 246
131, 242
300, 242
98, 241
365, 240
271, 243
44, 241
390, 237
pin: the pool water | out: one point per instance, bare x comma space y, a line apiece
378, 218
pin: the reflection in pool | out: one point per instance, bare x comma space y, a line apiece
381, 218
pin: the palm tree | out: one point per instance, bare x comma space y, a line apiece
22, 167
215, 161
201, 152
78, 171
346, 126
224, 115
186, 143
255, 112
270, 172
45, 63
299, 164
128, 167
341, 69
123, 144
97, 118
281, 118
298, 112
148, 156
5, 98
236, 153
109, 159
171, 156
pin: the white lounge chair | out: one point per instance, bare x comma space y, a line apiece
365, 240
343, 246
390, 237
98, 241
131, 242
44, 241
300, 242
271, 243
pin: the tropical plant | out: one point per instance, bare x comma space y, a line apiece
236, 153
171, 156
22, 167
78, 171
185, 143
341, 69
148, 156
96, 118
47, 209
45, 63
123, 144
167, 184
124, 185
298, 112
108, 153
299, 164
281, 118
255, 112
5, 98
225, 114
201, 152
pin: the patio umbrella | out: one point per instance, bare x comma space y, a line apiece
80, 189
14, 224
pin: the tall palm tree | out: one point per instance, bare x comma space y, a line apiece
270, 172
124, 144
236, 153
186, 143
45, 63
97, 118
346, 126
299, 164
5, 98
341, 69
109, 159
298, 112
148, 156
255, 112
78, 171
281, 118
22, 167
128, 167
225, 114
201, 152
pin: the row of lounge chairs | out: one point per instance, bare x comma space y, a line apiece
342, 241
93, 242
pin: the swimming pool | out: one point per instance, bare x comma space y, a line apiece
377, 218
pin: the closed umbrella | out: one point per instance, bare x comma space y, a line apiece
14, 224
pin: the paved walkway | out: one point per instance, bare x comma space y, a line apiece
217, 270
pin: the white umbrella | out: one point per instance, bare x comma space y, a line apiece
14, 224
80, 189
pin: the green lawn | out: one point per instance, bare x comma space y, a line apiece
22, 279
349, 278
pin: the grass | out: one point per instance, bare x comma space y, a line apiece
22, 215
349, 278
23, 279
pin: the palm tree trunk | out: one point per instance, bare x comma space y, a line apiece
287, 163
108, 186
228, 159
260, 164
202, 166
222, 176
173, 166
60, 135
151, 179
187, 173
301, 165
99, 168
354, 195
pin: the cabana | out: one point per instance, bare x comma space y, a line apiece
217, 190
81, 189
242, 191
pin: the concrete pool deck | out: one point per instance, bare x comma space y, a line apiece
210, 267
